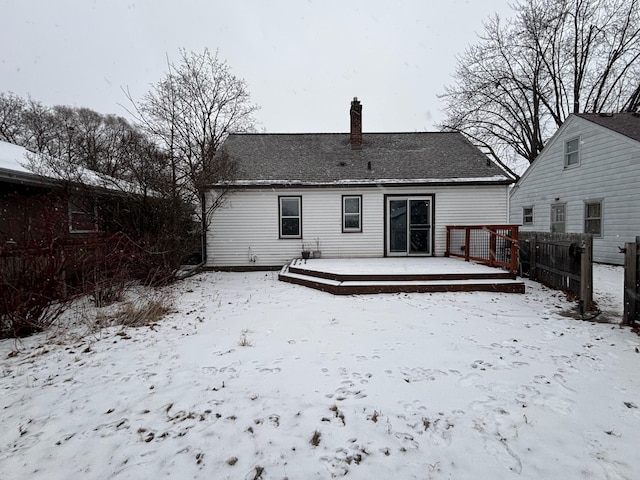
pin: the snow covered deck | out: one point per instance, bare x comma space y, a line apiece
392, 275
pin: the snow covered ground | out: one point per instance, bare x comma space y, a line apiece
251, 378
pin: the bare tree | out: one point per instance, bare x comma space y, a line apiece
67, 141
633, 104
11, 111
190, 112
115, 174
555, 57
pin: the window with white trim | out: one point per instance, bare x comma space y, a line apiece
572, 152
82, 215
290, 213
351, 213
593, 218
527, 215
558, 218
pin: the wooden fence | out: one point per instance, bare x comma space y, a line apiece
495, 245
559, 260
631, 313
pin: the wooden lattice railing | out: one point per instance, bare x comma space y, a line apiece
494, 245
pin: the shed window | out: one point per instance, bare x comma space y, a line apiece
290, 217
593, 218
572, 152
527, 215
558, 218
82, 215
352, 213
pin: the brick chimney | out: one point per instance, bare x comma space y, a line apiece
356, 124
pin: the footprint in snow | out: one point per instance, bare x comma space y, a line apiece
344, 394
469, 380
503, 454
481, 365
270, 370
560, 405
418, 374
560, 379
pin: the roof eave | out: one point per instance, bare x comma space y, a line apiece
28, 179
347, 184
34, 180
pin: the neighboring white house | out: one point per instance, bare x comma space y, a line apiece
585, 180
349, 195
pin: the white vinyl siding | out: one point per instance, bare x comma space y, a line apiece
609, 172
246, 226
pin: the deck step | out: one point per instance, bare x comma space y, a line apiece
353, 284
410, 277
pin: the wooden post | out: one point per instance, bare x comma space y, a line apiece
492, 246
446, 252
533, 274
630, 282
514, 248
467, 243
586, 273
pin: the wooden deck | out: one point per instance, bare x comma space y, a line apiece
393, 275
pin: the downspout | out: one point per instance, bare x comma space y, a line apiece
204, 230
203, 246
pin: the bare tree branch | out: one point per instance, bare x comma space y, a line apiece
189, 113
518, 84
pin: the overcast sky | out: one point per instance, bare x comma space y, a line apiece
303, 60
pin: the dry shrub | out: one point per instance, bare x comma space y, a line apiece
29, 314
244, 339
33, 293
137, 312
315, 438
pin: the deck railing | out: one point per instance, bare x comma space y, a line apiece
494, 245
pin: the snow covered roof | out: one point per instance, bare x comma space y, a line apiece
15, 167
13, 157
385, 158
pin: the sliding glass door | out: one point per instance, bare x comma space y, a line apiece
408, 226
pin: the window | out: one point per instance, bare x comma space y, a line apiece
572, 152
527, 215
290, 217
352, 213
593, 218
558, 218
82, 215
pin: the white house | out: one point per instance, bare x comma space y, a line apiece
586, 179
349, 195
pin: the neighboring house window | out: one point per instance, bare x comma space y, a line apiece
593, 218
290, 217
352, 213
572, 152
82, 215
558, 218
527, 215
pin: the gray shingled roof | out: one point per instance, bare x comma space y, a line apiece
327, 158
625, 123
